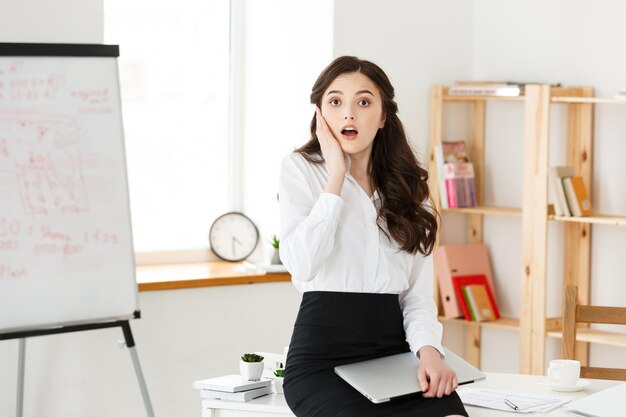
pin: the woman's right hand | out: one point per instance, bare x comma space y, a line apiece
331, 149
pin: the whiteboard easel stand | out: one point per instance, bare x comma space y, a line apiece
128, 337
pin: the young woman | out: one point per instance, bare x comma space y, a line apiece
357, 232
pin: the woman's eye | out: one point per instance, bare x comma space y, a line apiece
335, 102
363, 103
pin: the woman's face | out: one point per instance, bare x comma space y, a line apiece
353, 109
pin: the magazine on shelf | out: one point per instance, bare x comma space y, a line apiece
487, 90
455, 174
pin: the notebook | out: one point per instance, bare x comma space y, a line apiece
382, 379
606, 403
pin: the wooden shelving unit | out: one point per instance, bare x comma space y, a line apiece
533, 325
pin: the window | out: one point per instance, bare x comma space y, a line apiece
174, 75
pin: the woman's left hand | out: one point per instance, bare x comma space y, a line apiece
435, 377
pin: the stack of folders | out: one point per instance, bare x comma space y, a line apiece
568, 192
232, 388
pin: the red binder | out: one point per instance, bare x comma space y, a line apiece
461, 281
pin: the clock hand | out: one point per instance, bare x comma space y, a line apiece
237, 240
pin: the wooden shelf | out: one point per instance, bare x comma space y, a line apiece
507, 323
481, 98
595, 336
592, 100
595, 219
491, 210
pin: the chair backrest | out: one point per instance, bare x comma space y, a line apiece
574, 313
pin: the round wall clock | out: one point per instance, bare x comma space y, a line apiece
233, 236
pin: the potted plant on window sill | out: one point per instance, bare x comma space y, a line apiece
276, 253
251, 366
278, 380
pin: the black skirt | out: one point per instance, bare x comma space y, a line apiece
336, 328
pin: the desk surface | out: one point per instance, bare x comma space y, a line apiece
274, 405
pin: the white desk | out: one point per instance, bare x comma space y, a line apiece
274, 405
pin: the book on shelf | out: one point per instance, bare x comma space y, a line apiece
577, 196
487, 309
487, 90
454, 151
454, 260
557, 191
240, 396
478, 296
230, 383
467, 301
456, 175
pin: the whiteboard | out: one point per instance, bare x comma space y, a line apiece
66, 251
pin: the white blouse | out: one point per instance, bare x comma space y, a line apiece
332, 243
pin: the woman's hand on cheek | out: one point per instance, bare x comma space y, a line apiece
331, 149
435, 377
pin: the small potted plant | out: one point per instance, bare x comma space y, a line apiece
276, 254
278, 381
251, 366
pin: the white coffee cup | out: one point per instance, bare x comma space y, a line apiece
564, 372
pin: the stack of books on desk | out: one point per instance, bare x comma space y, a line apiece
232, 388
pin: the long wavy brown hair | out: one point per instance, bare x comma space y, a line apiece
394, 170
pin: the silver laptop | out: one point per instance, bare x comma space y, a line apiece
393, 376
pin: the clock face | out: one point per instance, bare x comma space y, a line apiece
233, 236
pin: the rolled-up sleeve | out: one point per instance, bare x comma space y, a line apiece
308, 223
418, 307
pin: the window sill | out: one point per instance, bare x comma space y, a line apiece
204, 274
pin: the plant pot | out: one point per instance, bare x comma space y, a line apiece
278, 384
251, 371
276, 258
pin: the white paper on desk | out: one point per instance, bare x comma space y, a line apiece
494, 399
605, 403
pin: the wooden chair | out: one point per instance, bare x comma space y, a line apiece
574, 313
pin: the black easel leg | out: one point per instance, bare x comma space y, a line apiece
21, 358
130, 343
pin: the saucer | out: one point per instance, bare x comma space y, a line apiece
582, 383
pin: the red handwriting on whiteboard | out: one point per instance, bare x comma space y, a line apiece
97, 96
99, 236
8, 271
16, 66
9, 227
32, 88
55, 249
9, 245
43, 154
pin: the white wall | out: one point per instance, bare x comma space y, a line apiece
51, 21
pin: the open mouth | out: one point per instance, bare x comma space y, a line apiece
349, 133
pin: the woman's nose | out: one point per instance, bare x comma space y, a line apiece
349, 116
